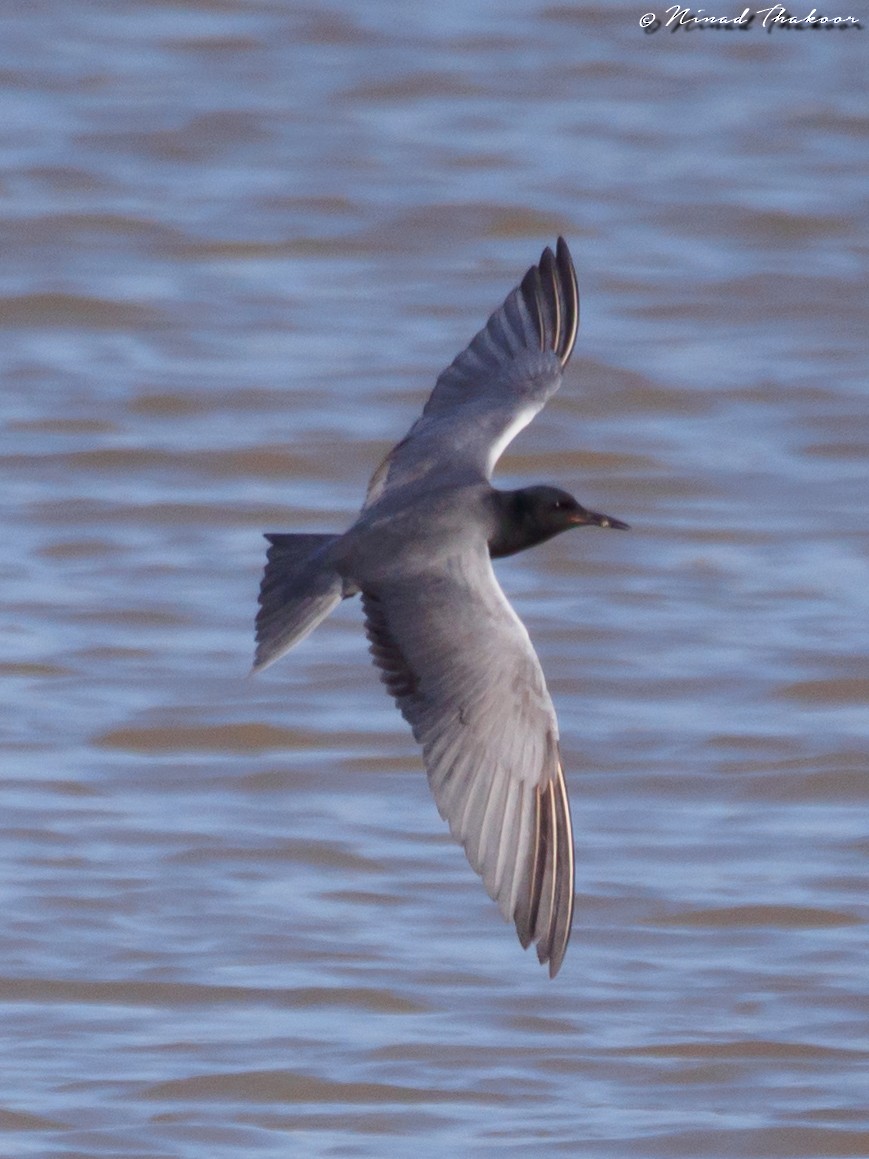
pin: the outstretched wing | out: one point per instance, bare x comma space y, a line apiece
496, 385
462, 669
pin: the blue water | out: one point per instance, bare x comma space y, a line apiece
240, 240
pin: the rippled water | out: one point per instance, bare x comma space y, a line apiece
240, 239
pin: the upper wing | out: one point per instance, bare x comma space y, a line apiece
496, 385
463, 671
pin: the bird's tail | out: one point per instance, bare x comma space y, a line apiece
299, 589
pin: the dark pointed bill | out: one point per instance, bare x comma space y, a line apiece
585, 518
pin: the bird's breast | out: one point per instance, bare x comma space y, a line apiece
392, 541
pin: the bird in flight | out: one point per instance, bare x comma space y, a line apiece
450, 648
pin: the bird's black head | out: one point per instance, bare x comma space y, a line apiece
534, 514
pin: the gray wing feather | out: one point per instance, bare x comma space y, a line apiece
463, 672
541, 316
495, 386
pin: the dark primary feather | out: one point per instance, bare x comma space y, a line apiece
459, 663
540, 316
495, 386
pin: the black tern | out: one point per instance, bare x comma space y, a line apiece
451, 651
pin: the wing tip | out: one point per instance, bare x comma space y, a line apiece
569, 291
551, 292
546, 916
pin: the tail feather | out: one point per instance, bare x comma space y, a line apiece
299, 589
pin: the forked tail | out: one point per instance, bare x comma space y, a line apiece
299, 589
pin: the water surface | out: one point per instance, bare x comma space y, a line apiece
240, 240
